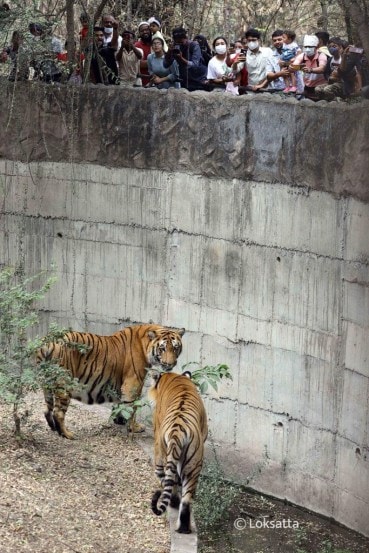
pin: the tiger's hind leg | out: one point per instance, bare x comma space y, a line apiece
61, 404
49, 400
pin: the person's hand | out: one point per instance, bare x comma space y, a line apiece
284, 72
156, 80
115, 24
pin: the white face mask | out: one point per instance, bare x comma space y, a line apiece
237, 51
253, 44
309, 51
221, 49
108, 30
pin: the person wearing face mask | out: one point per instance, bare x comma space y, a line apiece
313, 64
259, 61
218, 71
346, 78
107, 22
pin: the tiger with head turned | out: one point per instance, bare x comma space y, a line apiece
112, 368
180, 430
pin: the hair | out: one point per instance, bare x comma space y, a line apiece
97, 28
179, 32
323, 36
336, 40
35, 27
290, 34
158, 38
219, 37
128, 32
278, 32
253, 33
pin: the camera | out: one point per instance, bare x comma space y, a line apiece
244, 51
354, 50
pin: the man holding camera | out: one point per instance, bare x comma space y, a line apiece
187, 54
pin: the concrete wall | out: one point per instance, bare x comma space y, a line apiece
269, 277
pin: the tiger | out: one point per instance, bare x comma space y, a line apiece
111, 368
180, 431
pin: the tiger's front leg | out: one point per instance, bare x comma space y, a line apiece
130, 391
61, 404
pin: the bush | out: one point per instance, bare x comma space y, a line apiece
19, 373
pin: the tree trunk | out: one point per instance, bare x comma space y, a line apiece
358, 13
71, 48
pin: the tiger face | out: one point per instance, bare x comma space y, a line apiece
164, 348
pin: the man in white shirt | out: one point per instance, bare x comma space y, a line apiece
107, 21
258, 59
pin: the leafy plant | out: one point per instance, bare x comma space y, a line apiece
19, 373
127, 411
210, 375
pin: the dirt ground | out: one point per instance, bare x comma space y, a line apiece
91, 494
248, 528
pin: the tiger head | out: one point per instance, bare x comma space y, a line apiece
164, 347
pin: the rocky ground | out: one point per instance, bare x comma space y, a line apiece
91, 494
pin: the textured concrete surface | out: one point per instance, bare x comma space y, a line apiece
268, 139
269, 277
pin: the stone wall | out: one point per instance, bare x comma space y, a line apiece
244, 220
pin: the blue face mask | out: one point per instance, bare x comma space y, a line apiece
333, 50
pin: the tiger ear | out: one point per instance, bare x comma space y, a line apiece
181, 331
151, 334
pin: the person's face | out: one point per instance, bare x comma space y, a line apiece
252, 43
244, 42
310, 51
220, 41
99, 37
157, 46
286, 39
179, 40
238, 45
278, 42
127, 39
145, 31
337, 47
154, 28
108, 21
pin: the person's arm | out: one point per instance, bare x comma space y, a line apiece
195, 56
114, 40
138, 52
119, 54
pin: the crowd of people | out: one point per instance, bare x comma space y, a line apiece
321, 67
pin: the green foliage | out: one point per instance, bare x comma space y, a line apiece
210, 375
214, 495
127, 411
19, 373
326, 547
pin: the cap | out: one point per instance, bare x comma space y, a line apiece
154, 20
311, 40
143, 23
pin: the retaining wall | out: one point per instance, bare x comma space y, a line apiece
246, 220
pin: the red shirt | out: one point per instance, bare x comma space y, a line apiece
146, 51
